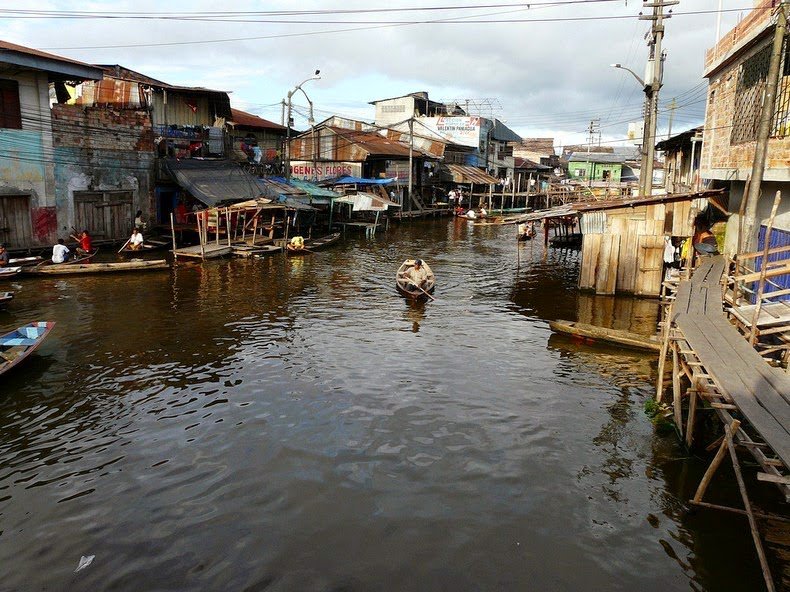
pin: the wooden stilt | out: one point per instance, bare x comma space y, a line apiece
677, 401
714, 465
254, 230
227, 223
691, 416
769, 582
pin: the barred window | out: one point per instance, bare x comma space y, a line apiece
749, 97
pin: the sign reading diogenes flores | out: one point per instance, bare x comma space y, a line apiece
304, 169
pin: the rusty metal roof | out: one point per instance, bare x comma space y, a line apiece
373, 143
245, 119
468, 174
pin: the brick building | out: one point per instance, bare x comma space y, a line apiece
30, 80
736, 69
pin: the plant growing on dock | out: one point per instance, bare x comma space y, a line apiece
660, 415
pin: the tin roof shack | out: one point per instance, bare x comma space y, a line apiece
30, 212
329, 151
256, 140
539, 150
681, 160
104, 153
623, 240
737, 69
416, 104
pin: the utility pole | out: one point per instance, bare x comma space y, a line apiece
411, 157
592, 130
672, 106
764, 131
653, 80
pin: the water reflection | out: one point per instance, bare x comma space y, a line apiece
293, 423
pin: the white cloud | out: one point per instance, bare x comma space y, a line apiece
550, 77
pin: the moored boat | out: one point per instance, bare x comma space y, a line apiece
6, 297
85, 268
20, 343
9, 272
313, 244
25, 261
402, 282
148, 246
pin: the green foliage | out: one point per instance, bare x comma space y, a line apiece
660, 415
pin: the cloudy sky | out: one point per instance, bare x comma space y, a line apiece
543, 67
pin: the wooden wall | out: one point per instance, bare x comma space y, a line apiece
623, 248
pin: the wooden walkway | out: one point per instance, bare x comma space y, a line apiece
715, 366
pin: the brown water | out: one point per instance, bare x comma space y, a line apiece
293, 424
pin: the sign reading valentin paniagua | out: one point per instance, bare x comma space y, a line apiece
305, 170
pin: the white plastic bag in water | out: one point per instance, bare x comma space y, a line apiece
84, 562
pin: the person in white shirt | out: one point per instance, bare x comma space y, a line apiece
136, 240
60, 252
416, 275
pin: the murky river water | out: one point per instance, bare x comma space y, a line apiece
292, 424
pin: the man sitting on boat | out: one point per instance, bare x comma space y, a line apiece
297, 243
85, 243
60, 252
416, 275
3, 256
136, 240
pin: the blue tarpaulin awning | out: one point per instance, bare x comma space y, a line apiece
348, 180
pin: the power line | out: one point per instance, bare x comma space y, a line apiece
384, 25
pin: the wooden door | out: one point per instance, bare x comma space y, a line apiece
89, 214
118, 214
104, 214
16, 229
650, 269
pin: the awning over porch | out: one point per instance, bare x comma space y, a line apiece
214, 182
366, 202
468, 174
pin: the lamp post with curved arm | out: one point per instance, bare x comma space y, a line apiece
291, 93
648, 133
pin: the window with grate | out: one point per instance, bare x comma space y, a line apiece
749, 97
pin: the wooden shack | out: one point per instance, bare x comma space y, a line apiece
624, 240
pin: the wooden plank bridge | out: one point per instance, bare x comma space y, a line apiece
714, 366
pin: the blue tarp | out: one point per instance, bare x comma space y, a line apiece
356, 181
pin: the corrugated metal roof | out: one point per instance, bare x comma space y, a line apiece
647, 200
374, 144
468, 174
54, 64
503, 133
214, 182
245, 119
313, 190
596, 157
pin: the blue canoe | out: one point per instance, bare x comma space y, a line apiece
17, 345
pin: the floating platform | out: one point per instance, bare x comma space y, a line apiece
609, 336
211, 251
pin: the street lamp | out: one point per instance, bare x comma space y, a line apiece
649, 131
634, 74
311, 121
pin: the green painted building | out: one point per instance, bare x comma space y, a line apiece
595, 167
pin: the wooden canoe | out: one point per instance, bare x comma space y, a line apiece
402, 284
20, 343
313, 244
85, 268
604, 335
6, 297
148, 246
46, 263
25, 261
9, 272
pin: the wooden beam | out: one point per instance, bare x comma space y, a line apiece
714, 465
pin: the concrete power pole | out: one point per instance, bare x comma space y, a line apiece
653, 81
764, 132
672, 106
